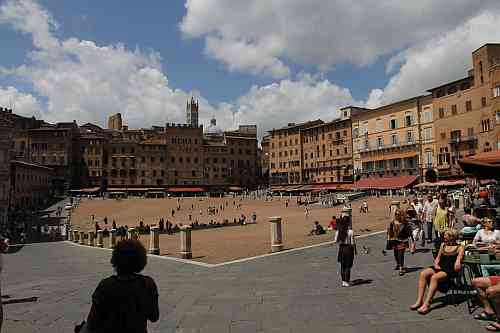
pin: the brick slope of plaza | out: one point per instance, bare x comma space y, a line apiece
227, 243
291, 292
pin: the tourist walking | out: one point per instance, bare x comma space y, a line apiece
440, 221
398, 235
126, 301
428, 215
344, 237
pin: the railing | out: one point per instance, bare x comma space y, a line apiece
387, 146
457, 140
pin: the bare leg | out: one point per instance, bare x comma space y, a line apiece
482, 284
435, 279
423, 279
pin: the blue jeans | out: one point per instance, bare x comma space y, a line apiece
429, 231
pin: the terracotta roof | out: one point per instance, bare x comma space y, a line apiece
384, 183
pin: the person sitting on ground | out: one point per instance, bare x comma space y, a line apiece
447, 266
126, 301
317, 229
333, 223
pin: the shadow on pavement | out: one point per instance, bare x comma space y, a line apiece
20, 300
413, 269
14, 248
359, 282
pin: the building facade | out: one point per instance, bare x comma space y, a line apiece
464, 113
30, 185
388, 138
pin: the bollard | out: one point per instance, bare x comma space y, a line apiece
347, 211
186, 242
99, 238
394, 207
112, 238
82, 237
69, 233
154, 240
91, 238
276, 234
132, 234
76, 235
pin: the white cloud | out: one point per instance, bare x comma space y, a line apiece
439, 60
258, 36
27, 104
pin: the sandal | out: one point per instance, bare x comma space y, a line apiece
485, 316
493, 327
424, 312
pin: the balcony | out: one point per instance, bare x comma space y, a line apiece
465, 139
367, 149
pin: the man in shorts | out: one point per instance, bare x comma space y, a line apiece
488, 288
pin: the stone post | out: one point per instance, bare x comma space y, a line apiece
186, 242
99, 238
154, 240
276, 234
112, 238
76, 236
347, 211
82, 237
69, 233
132, 234
394, 206
91, 238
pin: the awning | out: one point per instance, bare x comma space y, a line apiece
185, 189
235, 188
385, 183
483, 165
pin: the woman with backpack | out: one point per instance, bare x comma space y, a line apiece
344, 237
126, 301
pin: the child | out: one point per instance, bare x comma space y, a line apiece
347, 249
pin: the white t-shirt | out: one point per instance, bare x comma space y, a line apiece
349, 239
485, 236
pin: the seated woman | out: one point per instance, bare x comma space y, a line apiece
447, 265
487, 234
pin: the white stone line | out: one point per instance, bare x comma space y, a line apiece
290, 250
202, 264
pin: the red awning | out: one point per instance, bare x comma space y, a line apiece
385, 183
186, 189
483, 165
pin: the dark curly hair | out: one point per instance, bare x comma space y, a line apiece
129, 256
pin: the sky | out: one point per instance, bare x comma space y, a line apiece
259, 62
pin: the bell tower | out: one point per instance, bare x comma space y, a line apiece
192, 113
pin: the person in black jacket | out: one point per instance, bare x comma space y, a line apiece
126, 301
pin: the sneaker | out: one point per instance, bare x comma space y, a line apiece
345, 284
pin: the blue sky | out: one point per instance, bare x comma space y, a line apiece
266, 62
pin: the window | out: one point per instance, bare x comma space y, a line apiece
408, 120
497, 116
394, 139
470, 132
496, 91
428, 116
428, 159
441, 112
483, 102
454, 109
428, 133
393, 124
409, 137
468, 105
355, 130
380, 142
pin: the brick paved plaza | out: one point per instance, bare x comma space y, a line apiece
228, 243
292, 292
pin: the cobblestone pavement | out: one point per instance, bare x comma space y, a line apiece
292, 292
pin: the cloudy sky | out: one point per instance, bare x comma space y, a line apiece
264, 62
